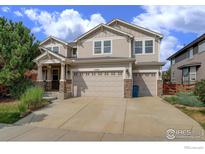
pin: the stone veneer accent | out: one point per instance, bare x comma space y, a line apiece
40, 84
127, 88
48, 85
65, 89
159, 87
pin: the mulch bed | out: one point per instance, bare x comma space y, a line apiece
6, 100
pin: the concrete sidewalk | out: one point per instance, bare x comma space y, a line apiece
104, 119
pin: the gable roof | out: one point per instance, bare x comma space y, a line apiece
196, 41
49, 52
55, 38
135, 26
100, 26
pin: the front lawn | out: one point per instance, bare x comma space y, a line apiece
187, 99
190, 104
9, 112
31, 100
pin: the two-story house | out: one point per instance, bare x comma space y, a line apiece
188, 64
106, 61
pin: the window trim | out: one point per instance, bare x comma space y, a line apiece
191, 50
102, 47
134, 47
143, 46
55, 47
51, 46
73, 54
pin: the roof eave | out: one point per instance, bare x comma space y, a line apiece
136, 26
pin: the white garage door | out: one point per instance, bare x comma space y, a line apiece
146, 82
108, 84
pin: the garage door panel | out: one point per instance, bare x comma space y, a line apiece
108, 84
146, 82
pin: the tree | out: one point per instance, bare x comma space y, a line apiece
18, 47
166, 75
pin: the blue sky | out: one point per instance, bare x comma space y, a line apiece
179, 24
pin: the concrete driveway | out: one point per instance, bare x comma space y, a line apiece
105, 119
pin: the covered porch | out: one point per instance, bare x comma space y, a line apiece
54, 73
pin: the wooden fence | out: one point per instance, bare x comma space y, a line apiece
172, 89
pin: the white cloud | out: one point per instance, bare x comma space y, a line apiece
5, 9
36, 29
18, 13
165, 19
67, 24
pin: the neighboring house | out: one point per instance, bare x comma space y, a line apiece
188, 64
105, 61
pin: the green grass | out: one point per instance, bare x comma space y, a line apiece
187, 99
9, 113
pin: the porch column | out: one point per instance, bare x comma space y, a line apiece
49, 80
62, 72
39, 75
39, 81
62, 88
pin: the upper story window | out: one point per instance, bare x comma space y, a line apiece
97, 47
138, 47
49, 48
74, 53
101, 47
54, 49
149, 46
143, 46
107, 47
173, 61
201, 47
190, 53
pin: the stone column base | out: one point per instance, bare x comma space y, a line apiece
65, 89
159, 87
40, 84
127, 88
48, 85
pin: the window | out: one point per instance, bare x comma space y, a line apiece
173, 61
97, 47
185, 74
192, 74
102, 47
74, 53
49, 48
138, 47
56, 49
107, 47
149, 46
201, 47
190, 53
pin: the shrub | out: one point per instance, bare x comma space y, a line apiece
200, 90
20, 87
32, 97
183, 98
22, 107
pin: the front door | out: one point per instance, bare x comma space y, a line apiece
55, 79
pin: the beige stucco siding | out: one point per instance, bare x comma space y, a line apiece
200, 71
141, 35
63, 49
121, 45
